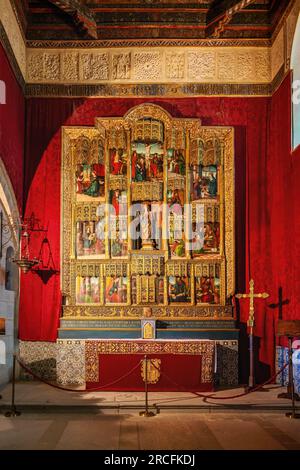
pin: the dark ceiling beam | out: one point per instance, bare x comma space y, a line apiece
81, 15
221, 13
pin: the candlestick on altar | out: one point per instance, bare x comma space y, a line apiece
251, 322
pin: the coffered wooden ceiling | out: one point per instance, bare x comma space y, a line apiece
140, 19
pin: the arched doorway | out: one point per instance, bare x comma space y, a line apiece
9, 274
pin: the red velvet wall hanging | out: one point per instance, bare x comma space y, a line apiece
12, 127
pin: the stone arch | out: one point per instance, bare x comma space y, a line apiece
9, 298
9, 202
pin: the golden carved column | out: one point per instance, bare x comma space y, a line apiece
187, 213
128, 142
165, 218
107, 205
72, 238
221, 201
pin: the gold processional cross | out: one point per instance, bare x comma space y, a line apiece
251, 321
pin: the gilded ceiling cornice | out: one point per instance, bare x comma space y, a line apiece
147, 90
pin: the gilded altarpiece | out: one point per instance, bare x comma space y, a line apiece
147, 218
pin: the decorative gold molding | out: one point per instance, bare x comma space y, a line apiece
117, 43
161, 313
145, 90
147, 190
151, 264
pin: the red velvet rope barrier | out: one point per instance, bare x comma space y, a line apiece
74, 390
163, 374
225, 398
255, 389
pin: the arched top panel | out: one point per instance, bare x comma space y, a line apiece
148, 110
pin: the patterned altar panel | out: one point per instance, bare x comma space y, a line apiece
40, 357
70, 362
282, 357
203, 348
227, 372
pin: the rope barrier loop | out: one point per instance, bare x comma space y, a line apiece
74, 390
127, 374
228, 397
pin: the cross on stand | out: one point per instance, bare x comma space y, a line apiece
251, 321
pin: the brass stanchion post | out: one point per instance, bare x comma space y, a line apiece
13, 411
146, 412
293, 414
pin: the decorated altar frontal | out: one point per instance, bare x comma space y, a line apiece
77, 361
173, 365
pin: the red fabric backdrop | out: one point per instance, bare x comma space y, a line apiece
12, 127
266, 208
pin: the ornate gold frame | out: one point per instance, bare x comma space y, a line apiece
118, 131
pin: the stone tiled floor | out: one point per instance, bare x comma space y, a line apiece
55, 420
36, 393
166, 431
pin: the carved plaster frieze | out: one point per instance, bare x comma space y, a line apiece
201, 65
175, 65
121, 66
